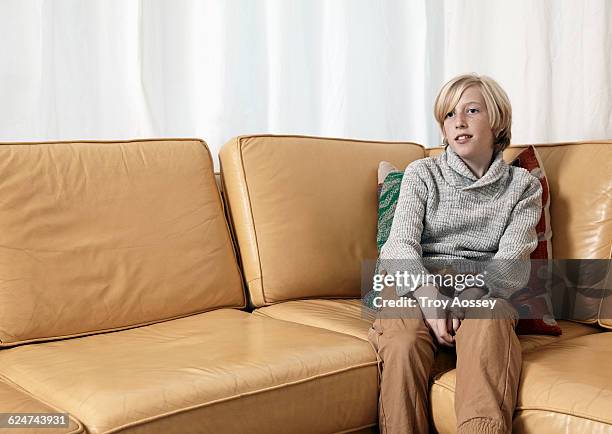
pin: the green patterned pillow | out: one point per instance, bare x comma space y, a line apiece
388, 194
389, 182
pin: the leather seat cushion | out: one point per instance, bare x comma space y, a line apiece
565, 387
223, 371
346, 316
339, 315
13, 399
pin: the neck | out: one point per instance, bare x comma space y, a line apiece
480, 164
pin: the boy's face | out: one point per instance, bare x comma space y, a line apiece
467, 128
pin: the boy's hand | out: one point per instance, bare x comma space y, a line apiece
437, 318
440, 329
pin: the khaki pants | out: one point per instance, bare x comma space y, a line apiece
488, 371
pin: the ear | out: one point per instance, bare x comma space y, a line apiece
497, 140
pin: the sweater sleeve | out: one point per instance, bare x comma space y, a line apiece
402, 251
510, 267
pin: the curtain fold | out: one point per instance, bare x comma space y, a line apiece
349, 68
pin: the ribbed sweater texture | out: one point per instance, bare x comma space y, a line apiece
445, 212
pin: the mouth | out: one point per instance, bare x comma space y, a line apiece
463, 138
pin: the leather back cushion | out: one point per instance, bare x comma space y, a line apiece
304, 211
106, 235
580, 177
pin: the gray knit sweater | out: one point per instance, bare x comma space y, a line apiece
445, 211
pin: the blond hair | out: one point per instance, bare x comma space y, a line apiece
496, 101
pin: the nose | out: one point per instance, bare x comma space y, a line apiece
460, 120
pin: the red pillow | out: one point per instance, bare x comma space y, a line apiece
534, 301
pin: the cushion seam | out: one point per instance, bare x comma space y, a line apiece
539, 408
557, 410
257, 312
5, 344
341, 139
350, 430
153, 139
233, 397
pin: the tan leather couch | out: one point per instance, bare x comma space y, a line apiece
122, 299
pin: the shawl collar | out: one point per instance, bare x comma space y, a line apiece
458, 174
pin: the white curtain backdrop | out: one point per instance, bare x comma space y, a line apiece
369, 69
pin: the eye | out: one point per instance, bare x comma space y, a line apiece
449, 115
473, 110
